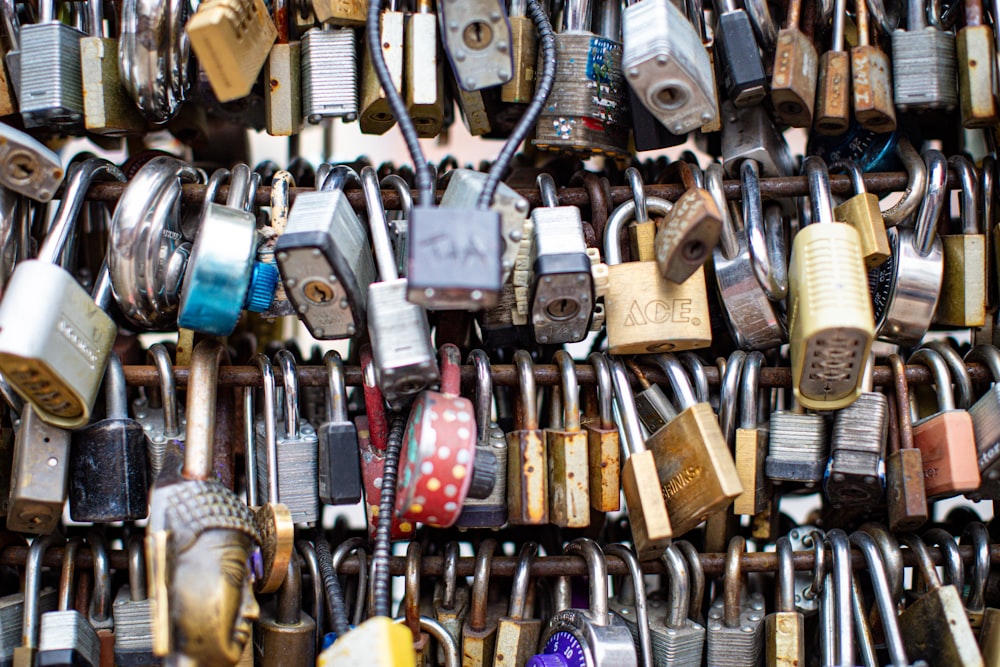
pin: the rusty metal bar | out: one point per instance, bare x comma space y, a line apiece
504, 375
770, 188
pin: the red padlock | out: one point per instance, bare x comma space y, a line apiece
440, 465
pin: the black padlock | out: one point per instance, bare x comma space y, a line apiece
339, 456
108, 460
740, 65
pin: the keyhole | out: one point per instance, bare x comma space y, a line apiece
562, 309
671, 97
694, 251
21, 167
477, 35
318, 291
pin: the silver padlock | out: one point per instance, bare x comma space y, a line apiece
326, 267
66, 635
631, 603
798, 447
736, 620
107, 109
405, 360
27, 166
678, 641
667, 65
924, 63
132, 613
749, 133
330, 74
164, 425
562, 298
476, 37
985, 415
51, 91
25, 652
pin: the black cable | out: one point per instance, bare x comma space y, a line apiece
386, 508
546, 81
335, 605
425, 183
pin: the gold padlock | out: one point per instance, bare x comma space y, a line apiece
962, 302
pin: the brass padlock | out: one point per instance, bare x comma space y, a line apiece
962, 302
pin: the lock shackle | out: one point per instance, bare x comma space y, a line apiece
851, 168
385, 261
631, 430
732, 582
989, 356
916, 15
634, 180
750, 389
527, 400
481, 584
288, 610
685, 172
336, 388
987, 192
868, 375
396, 183
218, 178
816, 585
411, 596
597, 576
570, 390
203, 378
728, 238
696, 371
785, 580
66, 591
884, 597
954, 566
892, 557
924, 563
517, 8
11, 397
577, 15
968, 193
684, 396
936, 196
964, 394
242, 187
281, 203
627, 556
609, 22
449, 574
547, 190
81, 175
95, 18
270, 427
452, 655
604, 388
842, 582
617, 220
136, 570
336, 177
942, 377
100, 601
679, 596
285, 362
765, 236
168, 388
11, 26
522, 581
115, 389
902, 392
861, 22
916, 183
837, 33
451, 369
977, 533
352, 545
484, 393
729, 393
31, 619
820, 200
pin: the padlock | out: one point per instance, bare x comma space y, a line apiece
38, 475
222, 276
855, 474
133, 615
51, 87
934, 626
567, 455
838, 593
378, 642
698, 477
905, 493
740, 65
748, 133
34, 605
296, 448
476, 37
409, 607
669, 70
652, 405
282, 72
630, 602
491, 511
690, 231
833, 96
524, 51
586, 110
793, 84
400, 335
527, 466
751, 441
29, 167
862, 212
340, 12
985, 425
677, 639
977, 84
752, 319
164, 425
659, 316
232, 39
592, 635
423, 93
329, 92
479, 633
946, 439
871, 79
55, 359
325, 264
603, 442
736, 620
108, 460
287, 632
65, 635
923, 63
905, 289
647, 509
374, 114
963, 288
440, 464
830, 316
451, 595
518, 633
339, 480
107, 110
785, 628
12, 616
798, 446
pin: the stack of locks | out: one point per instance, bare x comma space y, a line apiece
708, 378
